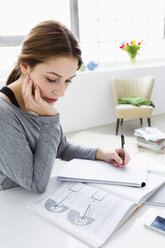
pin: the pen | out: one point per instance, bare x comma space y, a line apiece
122, 147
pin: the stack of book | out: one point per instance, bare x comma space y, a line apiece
150, 138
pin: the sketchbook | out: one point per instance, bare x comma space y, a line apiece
93, 171
91, 213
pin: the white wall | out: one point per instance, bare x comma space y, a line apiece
88, 102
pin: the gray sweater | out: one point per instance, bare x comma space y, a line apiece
29, 145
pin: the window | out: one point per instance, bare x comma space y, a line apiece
105, 24
101, 26
19, 17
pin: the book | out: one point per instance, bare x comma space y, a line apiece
134, 174
150, 138
89, 212
158, 198
150, 133
150, 145
160, 144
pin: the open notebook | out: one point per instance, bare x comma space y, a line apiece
91, 213
80, 170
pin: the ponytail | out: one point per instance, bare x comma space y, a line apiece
14, 75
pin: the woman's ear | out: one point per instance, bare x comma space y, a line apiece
25, 68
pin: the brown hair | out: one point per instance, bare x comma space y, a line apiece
45, 40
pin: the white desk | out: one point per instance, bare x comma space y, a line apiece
21, 228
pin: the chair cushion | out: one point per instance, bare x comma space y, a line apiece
131, 111
130, 106
137, 101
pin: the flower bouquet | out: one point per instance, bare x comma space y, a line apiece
131, 49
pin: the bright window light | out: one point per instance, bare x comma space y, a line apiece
104, 24
19, 17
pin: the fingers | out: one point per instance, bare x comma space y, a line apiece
126, 158
27, 88
118, 161
38, 97
118, 158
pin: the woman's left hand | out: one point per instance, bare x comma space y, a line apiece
113, 157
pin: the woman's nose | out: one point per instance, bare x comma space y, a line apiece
60, 89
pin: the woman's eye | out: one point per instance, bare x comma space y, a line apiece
55, 80
68, 81
51, 81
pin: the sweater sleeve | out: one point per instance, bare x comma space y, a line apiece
67, 151
27, 168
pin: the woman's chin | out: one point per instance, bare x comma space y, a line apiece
51, 103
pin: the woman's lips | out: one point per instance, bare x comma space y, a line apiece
51, 100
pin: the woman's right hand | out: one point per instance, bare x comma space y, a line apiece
35, 103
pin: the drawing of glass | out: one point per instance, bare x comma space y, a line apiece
74, 217
55, 207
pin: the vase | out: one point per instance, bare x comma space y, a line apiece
133, 60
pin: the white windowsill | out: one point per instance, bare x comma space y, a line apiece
119, 66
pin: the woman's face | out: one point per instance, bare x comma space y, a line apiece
53, 77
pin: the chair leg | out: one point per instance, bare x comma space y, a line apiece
141, 121
121, 122
117, 125
149, 122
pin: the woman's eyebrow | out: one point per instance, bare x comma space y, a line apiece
55, 74
58, 74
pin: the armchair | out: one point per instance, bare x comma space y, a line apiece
139, 87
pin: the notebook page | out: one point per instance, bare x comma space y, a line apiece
133, 174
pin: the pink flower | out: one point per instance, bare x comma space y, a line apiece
122, 46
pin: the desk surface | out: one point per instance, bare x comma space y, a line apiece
19, 227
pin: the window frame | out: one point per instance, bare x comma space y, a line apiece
16, 40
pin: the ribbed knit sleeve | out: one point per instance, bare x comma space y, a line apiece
68, 151
20, 164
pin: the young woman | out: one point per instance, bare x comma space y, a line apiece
30, 133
